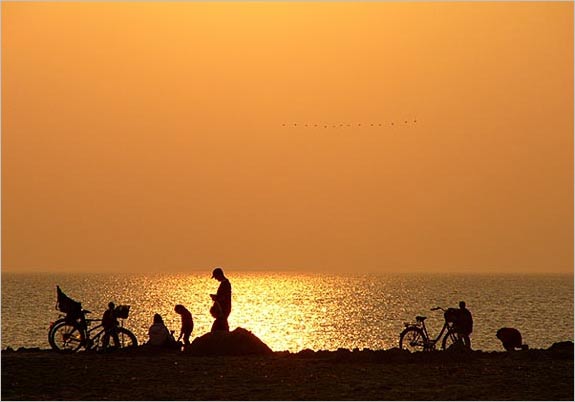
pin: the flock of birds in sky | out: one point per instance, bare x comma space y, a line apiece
349, 125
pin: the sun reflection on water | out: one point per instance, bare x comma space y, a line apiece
292, 312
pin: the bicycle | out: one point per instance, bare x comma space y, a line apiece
415, 336
73, 331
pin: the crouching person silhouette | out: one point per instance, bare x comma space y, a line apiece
110, 324
511, 339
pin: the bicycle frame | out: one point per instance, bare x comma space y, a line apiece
92, 340
91, 334
429, 342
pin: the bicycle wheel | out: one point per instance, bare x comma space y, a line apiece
54, 325
126, 339
66, 337
412, 339
450, 339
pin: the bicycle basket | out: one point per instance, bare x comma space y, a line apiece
67, 305
122, 311
451, 314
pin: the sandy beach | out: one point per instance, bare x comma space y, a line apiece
307, 375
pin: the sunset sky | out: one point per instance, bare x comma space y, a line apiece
172, 137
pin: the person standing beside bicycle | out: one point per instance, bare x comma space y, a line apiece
464, 324
110, 324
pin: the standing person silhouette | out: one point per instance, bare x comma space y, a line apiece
110, 324
187, 324
222, 302
464, 324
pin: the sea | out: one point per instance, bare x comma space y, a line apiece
296, 311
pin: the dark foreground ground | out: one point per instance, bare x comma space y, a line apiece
342, 375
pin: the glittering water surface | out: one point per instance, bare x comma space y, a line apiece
297, 311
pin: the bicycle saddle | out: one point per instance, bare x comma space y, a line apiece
420, 318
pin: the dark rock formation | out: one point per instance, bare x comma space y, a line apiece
238, 342
562, 349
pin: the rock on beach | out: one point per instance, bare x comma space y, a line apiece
238, 342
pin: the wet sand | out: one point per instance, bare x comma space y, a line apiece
307, 375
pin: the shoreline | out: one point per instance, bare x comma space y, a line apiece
536, 374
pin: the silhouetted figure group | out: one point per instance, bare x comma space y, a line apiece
463, 325
161, 337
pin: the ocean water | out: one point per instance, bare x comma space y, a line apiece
291, 311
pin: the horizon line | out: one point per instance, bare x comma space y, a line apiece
290, 271
288, 1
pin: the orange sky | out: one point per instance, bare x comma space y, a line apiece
157, 137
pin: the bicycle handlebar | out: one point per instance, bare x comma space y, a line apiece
437, 308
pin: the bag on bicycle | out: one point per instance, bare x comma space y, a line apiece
451, 315
67, 305
122, 311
